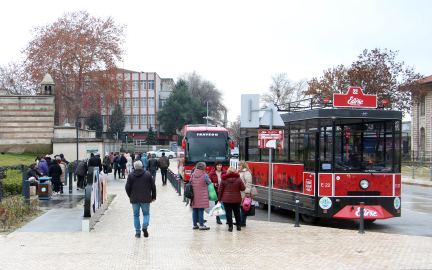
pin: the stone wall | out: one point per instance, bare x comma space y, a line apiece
26, 124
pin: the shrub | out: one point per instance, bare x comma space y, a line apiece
12, 184
15, 208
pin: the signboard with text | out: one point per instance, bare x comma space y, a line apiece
355, 98
270, 139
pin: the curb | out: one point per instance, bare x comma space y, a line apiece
415, 182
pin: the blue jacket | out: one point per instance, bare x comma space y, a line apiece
144, 161
43, 167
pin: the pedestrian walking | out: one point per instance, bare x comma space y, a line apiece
106, 163
112, 159
229, 194
141, 189
116, 166
129, 163
81, 172
200, 181
153, 166
55, 172
246, 177
215, 176
163, 164
122, 163
144, 161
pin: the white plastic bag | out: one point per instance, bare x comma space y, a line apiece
211, 205
188, 208
217, 210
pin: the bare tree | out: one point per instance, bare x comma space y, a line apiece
15, 80
283, 91
206, 91
234, 128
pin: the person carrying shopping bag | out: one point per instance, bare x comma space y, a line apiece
215, 176
229, 194
246, 177
200, 201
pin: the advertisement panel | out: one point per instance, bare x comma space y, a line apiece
355, 98
270, 139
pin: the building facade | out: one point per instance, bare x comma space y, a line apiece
143, 95
421, 119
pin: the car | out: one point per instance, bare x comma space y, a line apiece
235, 152
168, 153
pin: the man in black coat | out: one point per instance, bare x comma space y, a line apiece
152, 166
122, 164
95, 161
33, 172
141, 189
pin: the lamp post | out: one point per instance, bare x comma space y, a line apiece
78, 117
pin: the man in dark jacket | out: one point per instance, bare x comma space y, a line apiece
163, 164
95, 161
122, 164
141, 189
116, 162
152, 166
33, 172
63, 159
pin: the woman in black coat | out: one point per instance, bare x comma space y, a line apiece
55, 171
122, 164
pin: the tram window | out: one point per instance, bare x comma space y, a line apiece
296, 148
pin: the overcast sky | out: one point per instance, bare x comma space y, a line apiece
239, 45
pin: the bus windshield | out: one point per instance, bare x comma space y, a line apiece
207, 146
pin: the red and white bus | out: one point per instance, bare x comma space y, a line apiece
206, 143
333, 159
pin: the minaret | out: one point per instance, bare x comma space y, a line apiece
47, 85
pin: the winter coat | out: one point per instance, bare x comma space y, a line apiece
152, 165
63, 167
246, 177
144, 161
213, 177
63, 159
122, 162
33, 173
116, 162
43, 167
95, 162
230, 187
129, 159
140, 187
48, 161
163, 162
81, 169
200, 190
111, 157
107, 161
55, 172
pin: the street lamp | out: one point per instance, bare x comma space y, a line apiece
78, 117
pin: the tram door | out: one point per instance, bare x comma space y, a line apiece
311, 155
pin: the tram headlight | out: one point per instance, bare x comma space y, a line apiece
364, 184
188, 171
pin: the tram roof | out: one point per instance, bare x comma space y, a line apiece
328, 113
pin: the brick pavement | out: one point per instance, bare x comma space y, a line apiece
173, 244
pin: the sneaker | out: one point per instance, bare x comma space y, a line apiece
195, 227
145, 232
202, 228
138, 235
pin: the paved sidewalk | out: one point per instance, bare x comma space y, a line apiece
173, 244
424, 182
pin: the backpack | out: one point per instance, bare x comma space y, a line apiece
188, 193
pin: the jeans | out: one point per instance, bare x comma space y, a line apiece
229, 208
115, 172
164, 173
243, 218
145, 208
153, 173
198, 215
129, 167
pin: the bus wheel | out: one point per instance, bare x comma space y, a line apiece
263, 206
309, 219
170, 157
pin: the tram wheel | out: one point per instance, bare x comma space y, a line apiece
263, 206
310, 219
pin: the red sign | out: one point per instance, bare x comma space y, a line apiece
325, 187
370, 212
309, 183
355, 98
270, 139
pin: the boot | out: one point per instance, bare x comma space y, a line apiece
230, 228
238, 228
218, 221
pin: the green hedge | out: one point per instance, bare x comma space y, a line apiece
12, 184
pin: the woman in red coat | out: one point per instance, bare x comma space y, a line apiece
215, 176
229, 193
200, 201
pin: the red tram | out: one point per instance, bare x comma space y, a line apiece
333, 159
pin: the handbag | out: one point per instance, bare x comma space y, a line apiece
212, 193
250, 212
188, 193
247, 202
254, 192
